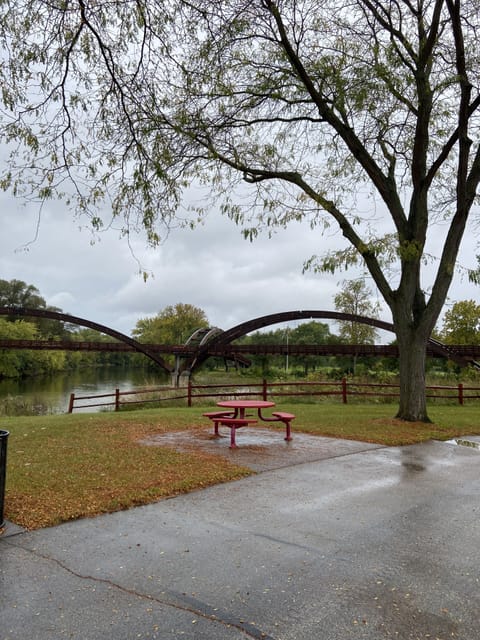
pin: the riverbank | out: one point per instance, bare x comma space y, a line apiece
45, 395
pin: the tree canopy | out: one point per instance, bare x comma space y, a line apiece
173, 325
461, 323
361, 115
356, 298
16, 293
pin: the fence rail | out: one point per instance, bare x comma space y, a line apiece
265, 390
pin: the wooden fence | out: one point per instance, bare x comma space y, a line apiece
343, 389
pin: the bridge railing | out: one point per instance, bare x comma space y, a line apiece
344, 389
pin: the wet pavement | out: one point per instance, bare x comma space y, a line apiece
362, 542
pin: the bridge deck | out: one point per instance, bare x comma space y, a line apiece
466, 351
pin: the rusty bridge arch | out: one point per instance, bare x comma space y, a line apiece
65, 317
212, 338
244, 328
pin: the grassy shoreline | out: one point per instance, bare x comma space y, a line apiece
64, 467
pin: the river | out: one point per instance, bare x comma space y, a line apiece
51, 393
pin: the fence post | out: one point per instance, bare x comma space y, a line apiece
117, 399
189, 393
460, 393
344, 390
264, 390
71, 402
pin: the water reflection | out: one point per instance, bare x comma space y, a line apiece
413, 467
54, 391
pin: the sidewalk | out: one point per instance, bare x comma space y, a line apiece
367, 543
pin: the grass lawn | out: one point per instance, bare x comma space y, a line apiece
64, 467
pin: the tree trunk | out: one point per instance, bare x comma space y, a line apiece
412, 356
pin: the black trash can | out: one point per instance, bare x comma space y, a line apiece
3, 471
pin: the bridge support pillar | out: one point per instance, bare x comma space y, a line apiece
180, 378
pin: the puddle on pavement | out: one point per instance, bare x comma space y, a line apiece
473, 442
413, 466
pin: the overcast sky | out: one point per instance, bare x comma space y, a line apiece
212, 267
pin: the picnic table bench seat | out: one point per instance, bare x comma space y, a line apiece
227, 419
281, 416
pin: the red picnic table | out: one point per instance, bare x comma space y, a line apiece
241, 406
237, 418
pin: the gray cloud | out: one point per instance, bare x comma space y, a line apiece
212, 267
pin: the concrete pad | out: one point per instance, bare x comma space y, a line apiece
381, 543
258, 448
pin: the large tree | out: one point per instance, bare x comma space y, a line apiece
357, 114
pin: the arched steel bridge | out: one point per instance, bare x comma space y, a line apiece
20, 312
207, 342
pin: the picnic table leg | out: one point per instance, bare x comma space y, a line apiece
233, 444
216, 423
288, 437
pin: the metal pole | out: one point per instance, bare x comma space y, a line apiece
286, 355
3, 471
